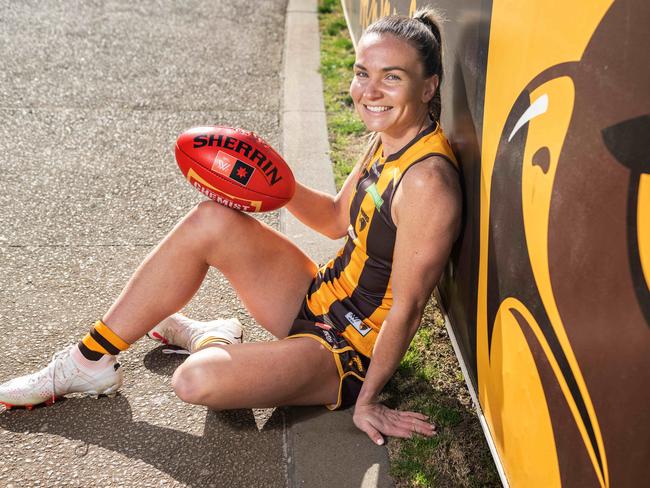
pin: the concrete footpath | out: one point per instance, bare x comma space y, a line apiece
92, 98
325, 448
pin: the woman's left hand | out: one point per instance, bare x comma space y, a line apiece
376, 419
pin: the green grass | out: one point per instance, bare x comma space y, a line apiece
429, 379
337, 58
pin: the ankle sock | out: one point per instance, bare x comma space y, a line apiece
208, 340
101, 341
91, 366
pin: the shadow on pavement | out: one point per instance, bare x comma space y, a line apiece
231, 450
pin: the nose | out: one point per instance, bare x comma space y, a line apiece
372, 91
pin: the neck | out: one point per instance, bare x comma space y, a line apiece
393, 143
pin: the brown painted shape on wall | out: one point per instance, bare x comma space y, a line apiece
575, 469
510, 274
588, 240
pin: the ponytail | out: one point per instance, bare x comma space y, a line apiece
432, 20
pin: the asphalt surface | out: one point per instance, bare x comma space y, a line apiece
92, 97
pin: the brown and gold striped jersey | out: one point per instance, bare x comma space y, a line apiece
352, 292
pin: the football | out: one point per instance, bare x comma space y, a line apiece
234, 167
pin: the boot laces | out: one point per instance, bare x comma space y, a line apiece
57, 368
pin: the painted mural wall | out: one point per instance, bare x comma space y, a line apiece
547, 106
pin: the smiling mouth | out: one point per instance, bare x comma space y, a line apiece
376, 109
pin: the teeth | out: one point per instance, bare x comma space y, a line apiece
377, 109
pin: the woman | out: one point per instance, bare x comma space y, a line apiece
400, 210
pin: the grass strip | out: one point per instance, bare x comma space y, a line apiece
429, 379
345, 129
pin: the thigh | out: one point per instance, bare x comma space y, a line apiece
258, 375
270, 274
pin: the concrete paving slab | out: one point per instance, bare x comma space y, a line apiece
92, 96
140, 55
112, 170
328, 450
301, 63
146, 430
325, 448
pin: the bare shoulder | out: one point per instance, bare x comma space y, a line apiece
432, 175
432, 186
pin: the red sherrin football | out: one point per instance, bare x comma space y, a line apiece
234, 167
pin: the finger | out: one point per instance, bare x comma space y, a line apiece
417, 426
420, 419
397, 429
374, 434
400, 416
415, 415
425, 428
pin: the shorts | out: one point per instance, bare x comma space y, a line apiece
351, 365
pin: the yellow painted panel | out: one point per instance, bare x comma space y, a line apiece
517, 407
643, 225
526, 38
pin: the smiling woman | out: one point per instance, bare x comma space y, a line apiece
347, 323
404, 211
389, 88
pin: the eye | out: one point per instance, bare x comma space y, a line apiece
392, 77
361, 74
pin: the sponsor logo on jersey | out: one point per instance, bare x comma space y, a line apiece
374, 194
223, 163
329, 338
356, 322
241, 172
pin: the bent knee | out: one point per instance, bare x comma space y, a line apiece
189, 384
209, 215
208, 222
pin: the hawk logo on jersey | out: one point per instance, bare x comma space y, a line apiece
356, 361
356, 322
363, 220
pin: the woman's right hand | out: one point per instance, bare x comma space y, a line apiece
376, 419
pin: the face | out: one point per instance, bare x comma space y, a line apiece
389, 90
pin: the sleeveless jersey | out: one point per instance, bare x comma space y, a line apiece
352, 292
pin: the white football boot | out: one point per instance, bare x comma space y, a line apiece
59, 378
178, 330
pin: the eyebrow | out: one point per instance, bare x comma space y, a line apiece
387, 68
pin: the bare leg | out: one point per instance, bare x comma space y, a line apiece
256, 375
269, 273
271, 276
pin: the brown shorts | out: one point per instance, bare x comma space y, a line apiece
351, 365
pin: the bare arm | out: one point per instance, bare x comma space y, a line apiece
427, 209
321, 211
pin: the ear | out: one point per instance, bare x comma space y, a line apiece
430, 87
